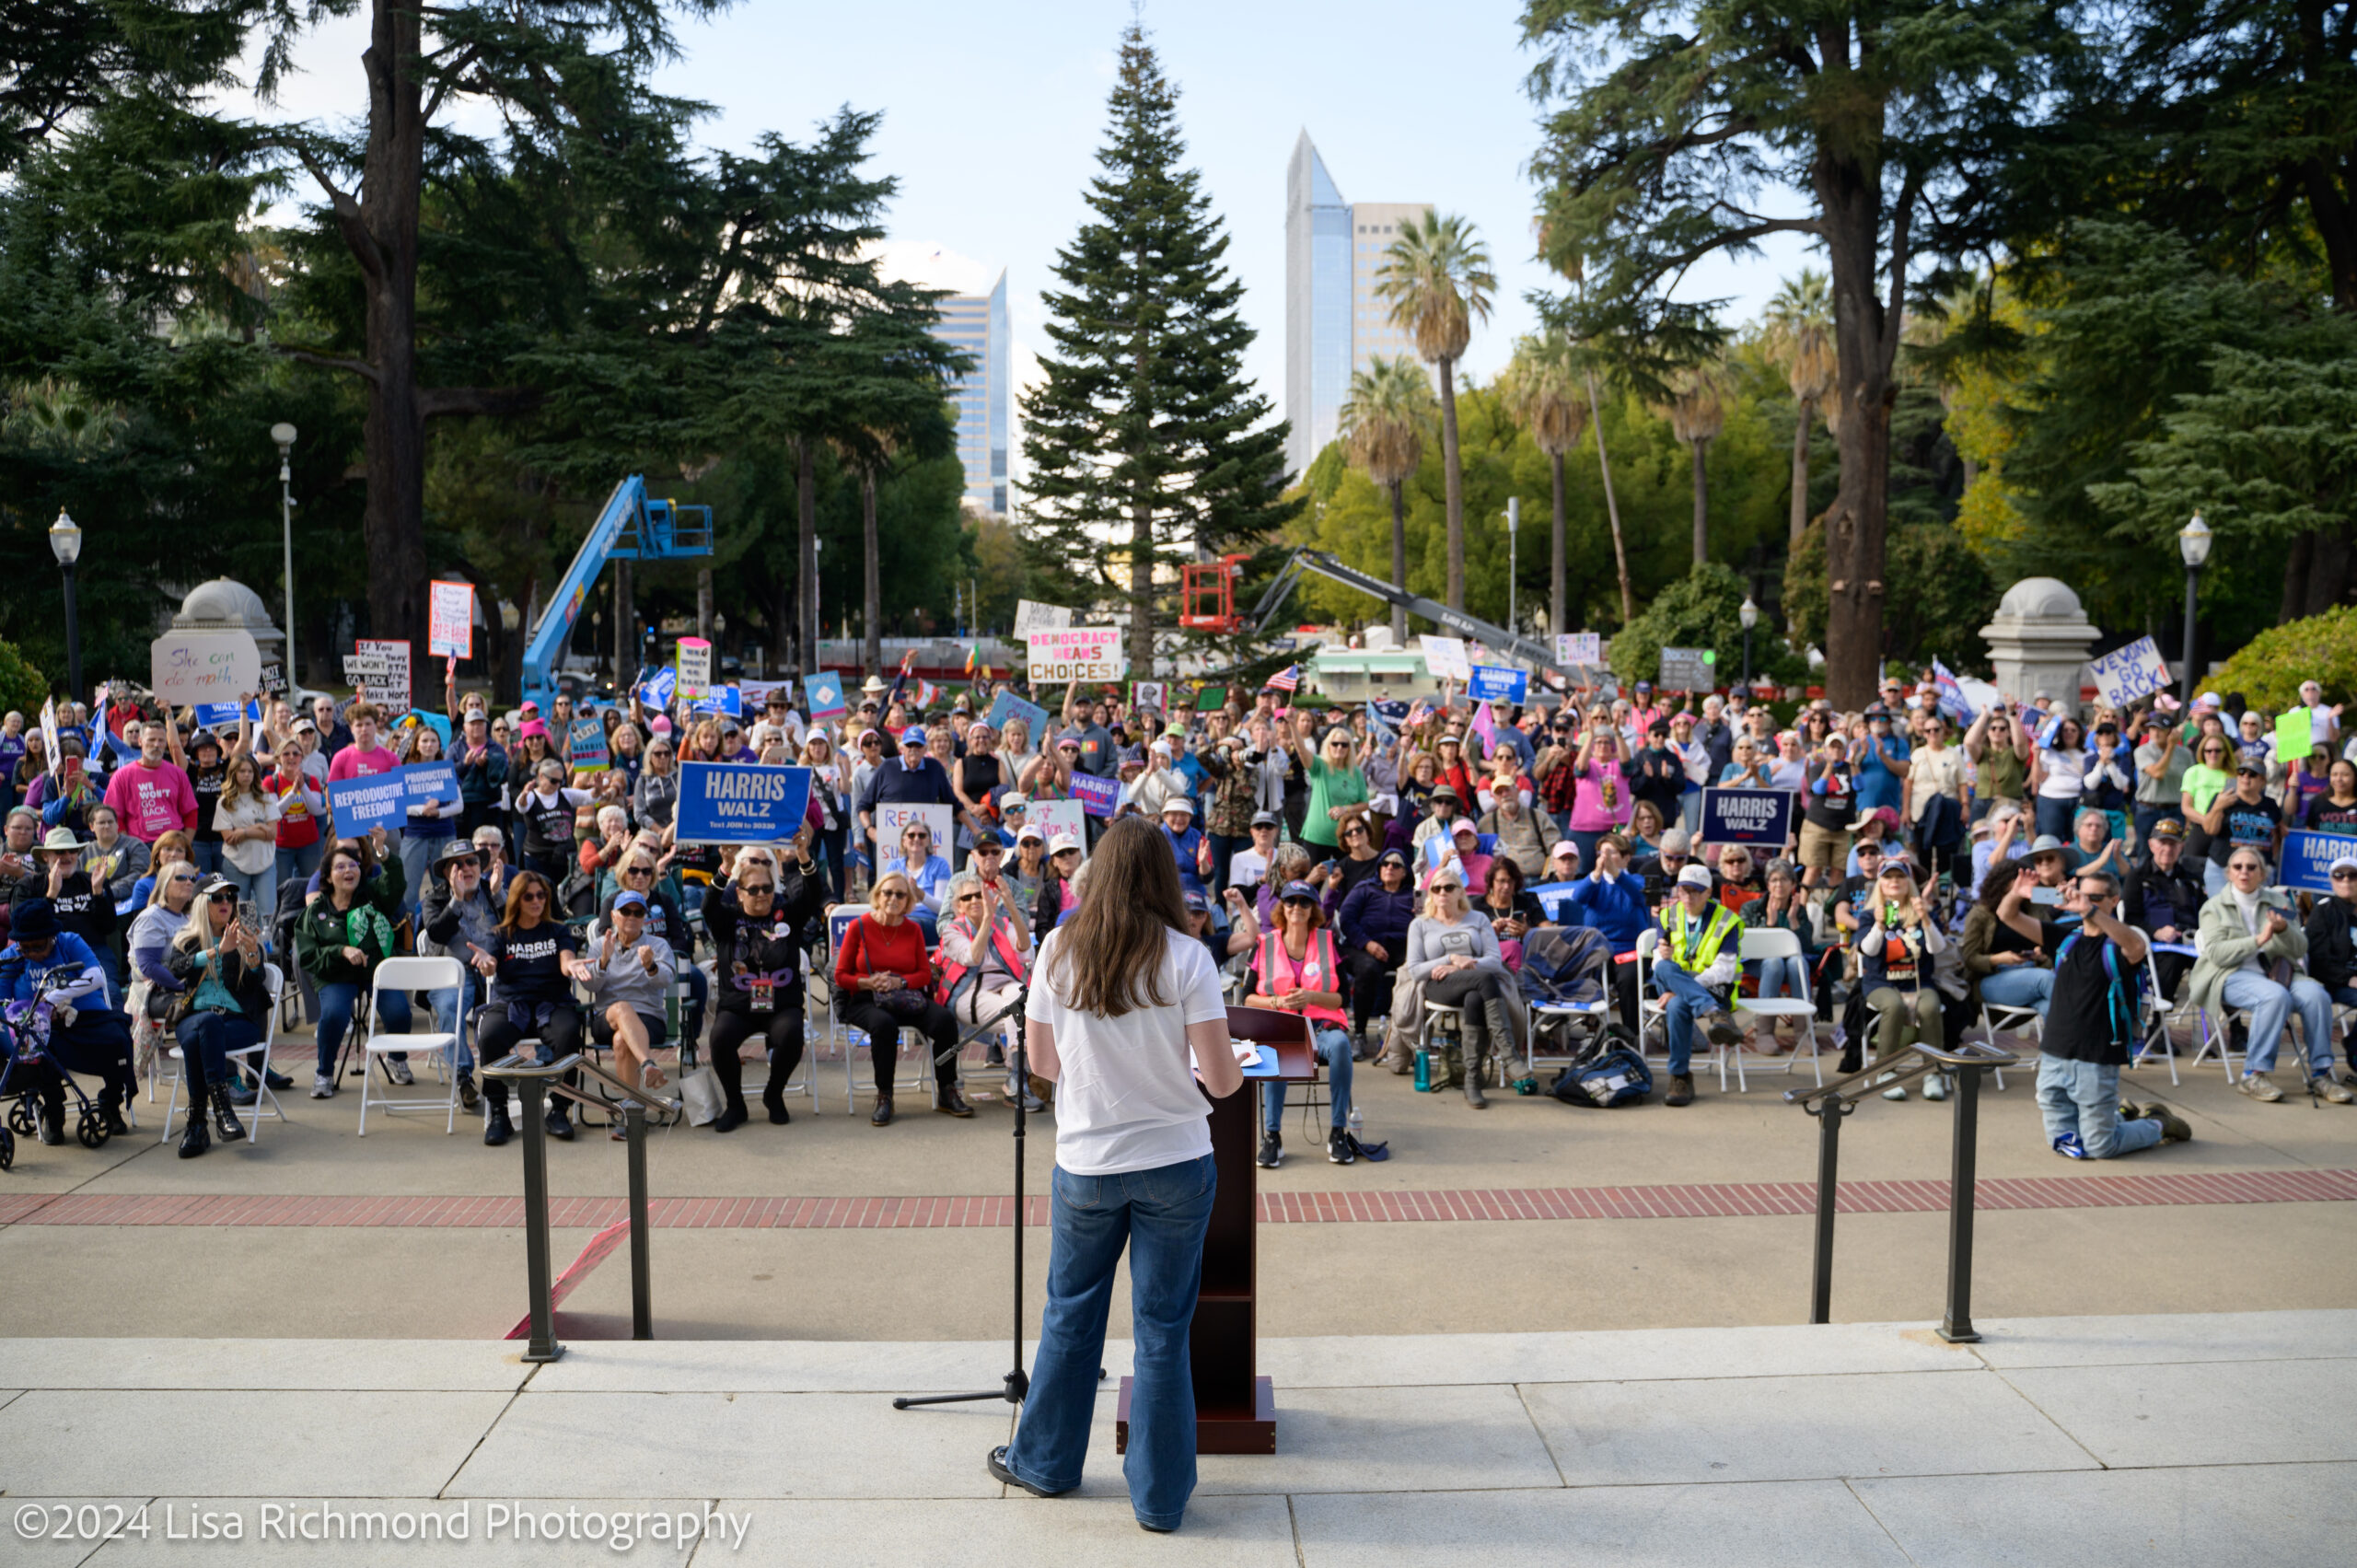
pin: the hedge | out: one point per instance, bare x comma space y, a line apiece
2269, 668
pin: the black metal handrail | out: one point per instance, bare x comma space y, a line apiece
1829, 1103
534, 1081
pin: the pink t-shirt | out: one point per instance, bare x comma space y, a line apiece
353, 764
151, 801
1601, 799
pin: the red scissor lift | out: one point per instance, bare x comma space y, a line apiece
1207, 595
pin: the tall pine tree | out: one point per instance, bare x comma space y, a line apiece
1141, 440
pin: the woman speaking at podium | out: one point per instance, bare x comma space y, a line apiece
1119, 1002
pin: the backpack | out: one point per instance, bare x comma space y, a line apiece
1613, 1075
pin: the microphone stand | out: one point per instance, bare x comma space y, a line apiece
1017, 1383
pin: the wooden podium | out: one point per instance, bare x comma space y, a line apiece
1236, 1408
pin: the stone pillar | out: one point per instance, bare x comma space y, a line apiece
2039, 642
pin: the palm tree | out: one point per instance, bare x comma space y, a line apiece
1800, 338
1542, 394
1436, 279
1568, 264
1383, 430
1697, 413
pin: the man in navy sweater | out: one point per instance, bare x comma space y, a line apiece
1613, 900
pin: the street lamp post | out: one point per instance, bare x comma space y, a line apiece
284, 434
66, 543
1749, 615
2193, 542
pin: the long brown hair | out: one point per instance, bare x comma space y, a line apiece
512, 916
1109, 961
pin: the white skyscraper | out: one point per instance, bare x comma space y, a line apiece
1333, 322
977, 323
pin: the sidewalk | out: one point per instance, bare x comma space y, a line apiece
2208, 1440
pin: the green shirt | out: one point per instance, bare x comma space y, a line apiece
1328, 787
2202, 784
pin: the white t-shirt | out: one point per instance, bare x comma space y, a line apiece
1247, 869
1126, 1098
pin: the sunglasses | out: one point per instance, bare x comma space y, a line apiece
190, 877
968, 897
762, 889
222, 899
2345, 875
1449, 886
886, 893
534, 896
638, 871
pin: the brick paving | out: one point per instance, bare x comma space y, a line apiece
1697, 1200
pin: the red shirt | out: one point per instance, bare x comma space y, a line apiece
870, 946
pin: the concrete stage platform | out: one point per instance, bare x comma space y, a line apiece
2209, 1440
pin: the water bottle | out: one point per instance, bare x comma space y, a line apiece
1423, 1071
1355, 1121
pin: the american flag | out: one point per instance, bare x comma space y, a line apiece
1285, 680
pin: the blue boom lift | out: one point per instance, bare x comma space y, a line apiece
634, 526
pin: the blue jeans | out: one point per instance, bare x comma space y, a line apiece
207, 1037
2147, 817
1687, 1001
339, 1001
1782, 977
261, 887
2056, 817
2024, 985
1333, 1048
2346, 996
1160, 1215
2272, 1007
297, 864
206, 853
2080, 1100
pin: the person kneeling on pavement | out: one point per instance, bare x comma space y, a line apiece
532, 965
218, 963
2091, 1026
2248, 947
1696, 969
83, 1035
631, 974
1296, 970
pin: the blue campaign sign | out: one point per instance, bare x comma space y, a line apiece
1554, 898
380, 800
825, 690
740, 803
721, 699
656, 690
436, 781
1097, 796
2308, 858
217, 716
1007, 705
1492, 683
1747, 816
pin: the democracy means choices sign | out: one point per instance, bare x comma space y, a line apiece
2125, 674
740, 803
1077, 653
1747, 816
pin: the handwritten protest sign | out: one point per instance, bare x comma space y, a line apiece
450, 619
892, 820
1445, 658
1056, 818
695, 668
2125, 674
203, 667
1079, 653
378, 669
585, 745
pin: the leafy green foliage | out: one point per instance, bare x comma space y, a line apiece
1703, 610
22, 687
1142, 434
2269, 668
1946, 587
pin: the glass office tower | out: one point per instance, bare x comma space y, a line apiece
1333, 322
977, 323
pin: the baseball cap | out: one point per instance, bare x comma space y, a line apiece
2207, 700
1694, 877
630, 900
1030, 831
1197, 903
1265, 819
1297, 892
912, 735
2346, 862
1464, 825
2254, 769
1179, 803
1564, 847
1013, 800
1061, 842
2167, 828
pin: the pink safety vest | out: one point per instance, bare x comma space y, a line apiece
1317, 971
1008, 955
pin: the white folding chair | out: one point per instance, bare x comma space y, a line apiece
2153, 1022
1650, 1007
255, 1061
1776, 944
402, 975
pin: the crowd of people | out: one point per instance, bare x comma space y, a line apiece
2023, 859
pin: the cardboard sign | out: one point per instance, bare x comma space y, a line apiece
203, 667
1007, 705
1445, 658
1056, 817
892, 820
378, 669
1030, 618
1687, 669
825, 690
274, 679
380, 800
1579, 647
695, 668
585, 745
1098, 796
1151, 694
2125, 674
1493, 683
2308, 858
450, 619
2294, 736
1081, 652
740, 803
1747, 816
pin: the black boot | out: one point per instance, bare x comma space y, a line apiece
111, 1115
195, 1138
496, 1127
560, 1123
225, 1116
732, 1114
773, 1095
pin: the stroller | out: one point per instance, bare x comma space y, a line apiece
24, 1044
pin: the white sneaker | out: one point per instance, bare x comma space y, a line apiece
1937, 1087
322, 1085
401, 1075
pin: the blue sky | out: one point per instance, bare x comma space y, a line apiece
992, 115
